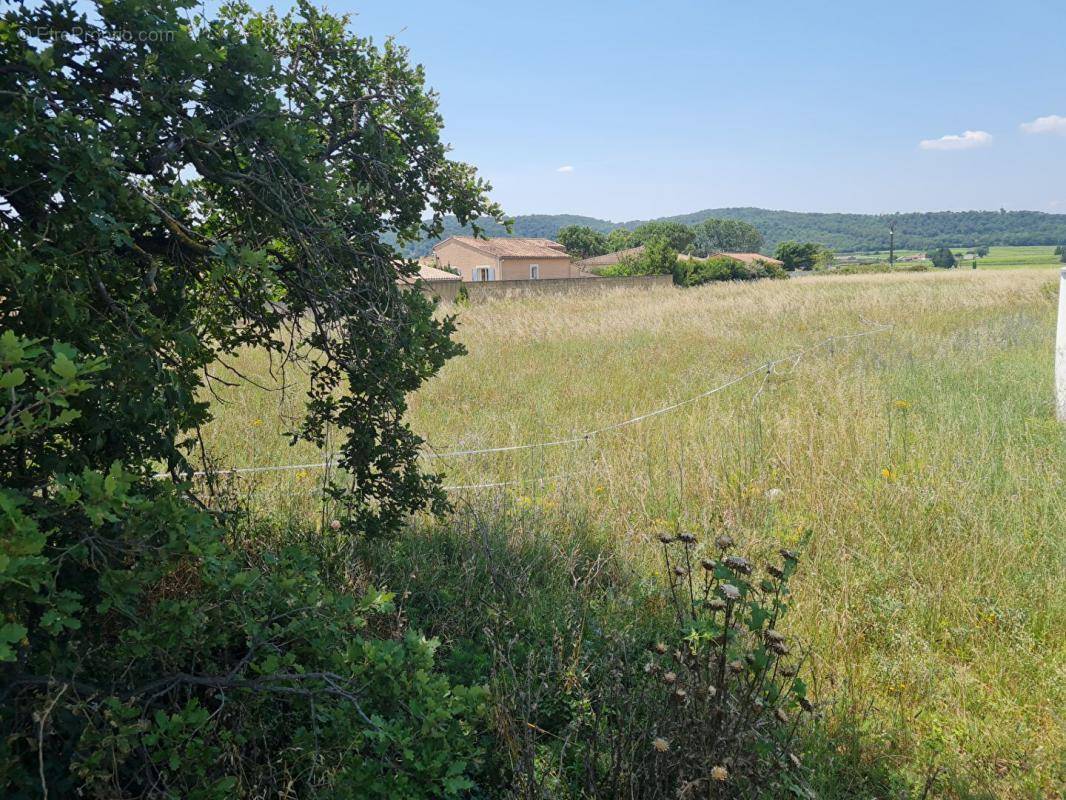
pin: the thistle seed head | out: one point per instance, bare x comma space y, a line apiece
738, 564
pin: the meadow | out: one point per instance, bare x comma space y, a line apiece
1000, 257
918, 470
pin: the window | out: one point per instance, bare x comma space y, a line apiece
534, 271
483, 273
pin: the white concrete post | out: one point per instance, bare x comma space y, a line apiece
1060, 352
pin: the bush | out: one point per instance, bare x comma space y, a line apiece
149, 649
722, 268
186, 197
657, 258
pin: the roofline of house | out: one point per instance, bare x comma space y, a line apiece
560, 253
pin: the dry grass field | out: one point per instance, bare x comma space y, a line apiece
920, 470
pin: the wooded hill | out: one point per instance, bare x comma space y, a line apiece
841, 232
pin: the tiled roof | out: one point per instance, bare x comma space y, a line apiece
749, 258
428, 273
512, 246
610, 258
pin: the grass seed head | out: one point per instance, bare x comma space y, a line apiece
719, 773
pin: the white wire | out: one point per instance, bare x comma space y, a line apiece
584, 437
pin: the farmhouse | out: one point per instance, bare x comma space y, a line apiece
506, 258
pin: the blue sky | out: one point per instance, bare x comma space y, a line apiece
631, 110
665, 108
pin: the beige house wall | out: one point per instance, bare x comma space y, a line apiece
465, 259
517, 269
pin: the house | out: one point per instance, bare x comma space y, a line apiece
608, 260
506, 258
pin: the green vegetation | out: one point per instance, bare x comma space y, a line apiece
164, 210
846, 233
725, 235
694, 272
802, 255
942, 258
581, 241
925, 461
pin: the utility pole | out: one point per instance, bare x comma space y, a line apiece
891, 244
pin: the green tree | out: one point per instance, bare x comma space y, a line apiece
657, 258
581, 241
215, 184
725, 235
981, 251
619, 239
679, 237
942, 257
799, 255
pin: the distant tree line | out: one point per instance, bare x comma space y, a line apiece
845, 233
702, 239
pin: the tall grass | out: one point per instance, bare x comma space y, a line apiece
924, 462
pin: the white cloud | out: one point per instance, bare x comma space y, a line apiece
566, 168
1049, 124
963, 141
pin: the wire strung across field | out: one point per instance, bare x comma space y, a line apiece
765, 368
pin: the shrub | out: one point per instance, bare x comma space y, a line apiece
148, 649
722, 268
657, 258
183, 198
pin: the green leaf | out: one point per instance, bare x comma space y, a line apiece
64, 367
10, 633
16, 377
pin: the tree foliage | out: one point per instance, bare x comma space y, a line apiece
224, 182
677, 236
725, 235
847, 233
581, 241
800, 255
942, 257
695, 272
657, 258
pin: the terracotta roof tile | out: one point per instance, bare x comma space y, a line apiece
512, 246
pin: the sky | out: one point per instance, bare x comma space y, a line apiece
637, 110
